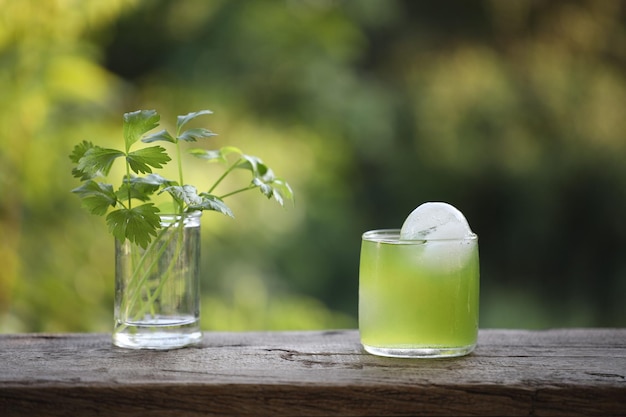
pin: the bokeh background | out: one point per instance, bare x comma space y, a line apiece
513, 111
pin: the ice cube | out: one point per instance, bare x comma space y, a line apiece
432, 221
447, 237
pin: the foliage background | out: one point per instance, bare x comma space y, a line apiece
513, 111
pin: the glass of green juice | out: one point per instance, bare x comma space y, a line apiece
418, 298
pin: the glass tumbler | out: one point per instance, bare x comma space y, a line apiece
418, 298
157, 298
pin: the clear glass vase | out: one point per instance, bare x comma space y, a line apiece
157, 304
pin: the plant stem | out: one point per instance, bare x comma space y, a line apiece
241, 190
128, 179
228, 171
180, 173
137, 282
180, 163
165, 277
140, 276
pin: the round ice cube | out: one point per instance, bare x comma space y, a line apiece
431, 221
448, 239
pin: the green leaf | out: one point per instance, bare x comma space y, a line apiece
265, 173
138, 224
162, 135
186, 194
270, 186
96, 197
261, 173
153, 179
142, 188
214, 203
193, 135
137, 124
210, 155
278, 197
131, 189
253, 164
77, 153
141, 193
143, 160
228, 150
98, 161
219, 155
183, 119
266, 189
282, 191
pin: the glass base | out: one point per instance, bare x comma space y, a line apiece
157, 334
422, 352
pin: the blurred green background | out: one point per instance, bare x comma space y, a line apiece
513, 111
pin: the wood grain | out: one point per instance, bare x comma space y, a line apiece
314, 373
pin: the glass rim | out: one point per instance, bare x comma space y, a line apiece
393, 236
185, 215
188, 219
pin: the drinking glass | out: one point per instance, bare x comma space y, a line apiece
418, 298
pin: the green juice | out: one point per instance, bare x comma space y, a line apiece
418, 298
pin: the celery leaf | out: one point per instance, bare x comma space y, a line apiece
138, 224
137, 124
98, 161
96, 197
182, 120
143, 160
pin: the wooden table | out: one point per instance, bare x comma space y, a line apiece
314, 373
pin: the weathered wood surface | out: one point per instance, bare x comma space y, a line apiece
512, 372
